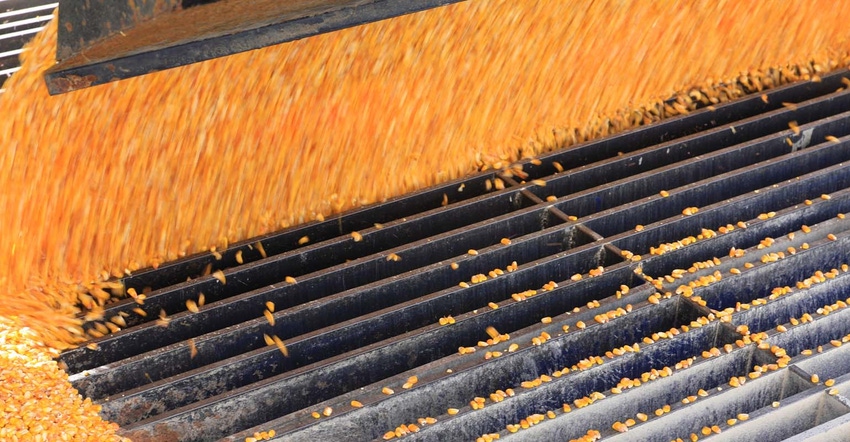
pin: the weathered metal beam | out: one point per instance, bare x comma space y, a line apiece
103, 40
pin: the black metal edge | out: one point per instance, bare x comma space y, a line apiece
66, 77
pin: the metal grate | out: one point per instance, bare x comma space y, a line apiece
20, 20
356, 320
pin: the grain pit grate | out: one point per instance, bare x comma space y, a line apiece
696, 264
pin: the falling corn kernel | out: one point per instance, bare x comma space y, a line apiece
269, 317
270, 306
454, 266
118, 320
191, 306
280, 345
356, 236
163, 320
238, 257
303, 240
794, 128
219, 275
261, 249
193, 351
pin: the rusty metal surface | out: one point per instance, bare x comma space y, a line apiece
82, 23
106, 43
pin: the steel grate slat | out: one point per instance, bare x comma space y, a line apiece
585, 244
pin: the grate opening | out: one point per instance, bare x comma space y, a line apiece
680, 127
714, 152
794, 305
372, 328
829, 361
804, 413
710, 376
786, 221
309, 288
711, 191
473, 383
390, 214
552, 395
764, 277
756, 395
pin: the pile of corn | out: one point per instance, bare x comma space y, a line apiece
36, 400
104, 181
